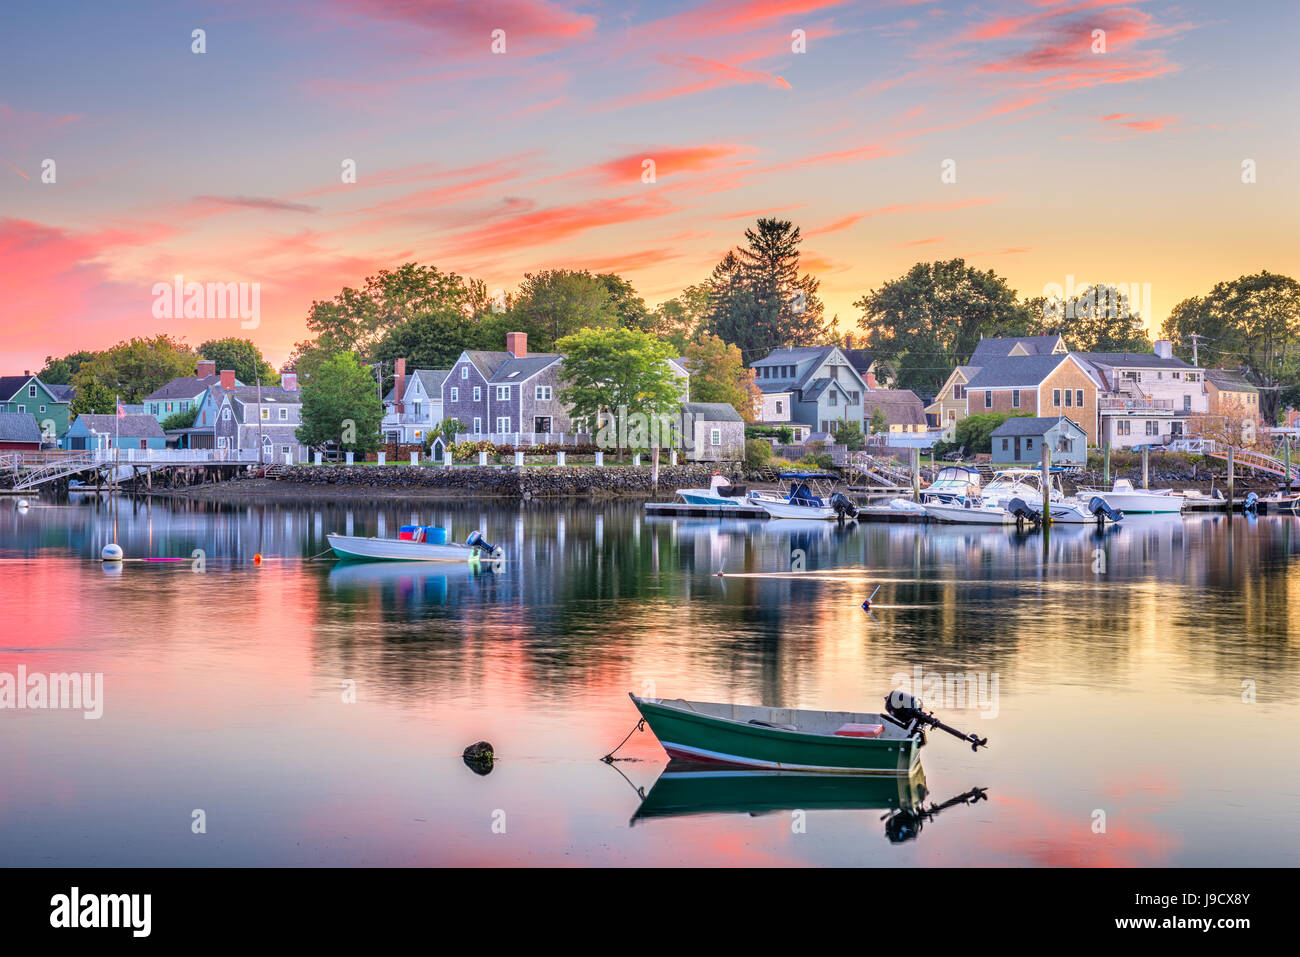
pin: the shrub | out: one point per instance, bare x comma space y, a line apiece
758, 452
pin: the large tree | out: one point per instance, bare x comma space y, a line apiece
619, 374
719, 374
630, 307
340, 404
93, 399
1251, 322
60, 371
559, 302
931, 318
131, 370
682, 318
1094, 319
758, 298
243, 357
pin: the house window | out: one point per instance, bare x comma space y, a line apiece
780, 407
31, 392
1187, 403
1069, 397
988, 399
266, 414
1056, 397
1078, 398
1015, 398
415, 408
503, 424
455, 394
1004, 445
42, 408
464, 372
478, 393
284, 415
835, 399
1124, 427
169, 406
1153, 428
542, 393
225, 414
153, 408
952, 415
478, 426
1029, 444
715, 436
503, 393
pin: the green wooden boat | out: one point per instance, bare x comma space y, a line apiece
782, 738
686, 788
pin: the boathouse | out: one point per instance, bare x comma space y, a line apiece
1020, 440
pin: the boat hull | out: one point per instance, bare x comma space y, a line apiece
355, 548
1134, 504
969, 516
783, 509
707, 498
701, 738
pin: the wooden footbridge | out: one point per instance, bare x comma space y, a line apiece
109, 468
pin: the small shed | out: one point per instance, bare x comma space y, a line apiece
19, 432
1020, 440
92, 431
713, 432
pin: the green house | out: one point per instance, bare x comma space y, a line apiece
26, 393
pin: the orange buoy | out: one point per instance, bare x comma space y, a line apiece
257, 559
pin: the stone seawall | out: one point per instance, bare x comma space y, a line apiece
527, 483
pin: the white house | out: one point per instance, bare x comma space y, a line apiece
413, 406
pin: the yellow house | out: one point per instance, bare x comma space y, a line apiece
949, 406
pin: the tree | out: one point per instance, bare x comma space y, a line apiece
620, 375
1232, 425
339, 404
560, 302
131, 370
241, 356
718, 374
682, 319
1096, 319
930, 319
92, 398
974, 433
180, 420
630, 308
61, 371
879, 421
436, 335
758, 299
1252, 321
849, 434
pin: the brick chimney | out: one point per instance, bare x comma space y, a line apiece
399, 385
870, 380
227, 380
206, 368
517, 344
289, 381
848, 340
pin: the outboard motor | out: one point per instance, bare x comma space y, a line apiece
908, 711
1251, 503
1023, 511
843, 506
476, 540
1101, 508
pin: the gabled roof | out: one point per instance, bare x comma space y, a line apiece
1133, 360
860, 359
901, 406
132, 426
1001, 347
521, 370
487, 362
814, 391
19, 427
1032, 425
61, 393
185, 387
1229, 380
792, 356
713, 411
1025, 372
432, 379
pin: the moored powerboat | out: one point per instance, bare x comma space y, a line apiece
802, 502
720, 496
1125, 498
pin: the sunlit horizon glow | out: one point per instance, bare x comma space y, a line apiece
1123, 166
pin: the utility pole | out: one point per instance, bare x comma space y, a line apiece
1196, 338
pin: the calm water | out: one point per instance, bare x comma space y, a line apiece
1119, 690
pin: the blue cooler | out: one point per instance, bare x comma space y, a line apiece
435, 535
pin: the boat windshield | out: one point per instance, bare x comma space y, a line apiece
1014, 480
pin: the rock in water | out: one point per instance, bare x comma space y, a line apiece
478, 757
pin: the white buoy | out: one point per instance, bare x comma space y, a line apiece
111, 553
22, 503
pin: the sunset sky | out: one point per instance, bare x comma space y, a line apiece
1123, 166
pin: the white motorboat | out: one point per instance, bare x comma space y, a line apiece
1017, 493
801, 502
720, 496
417, 544
952, 483
1123, 497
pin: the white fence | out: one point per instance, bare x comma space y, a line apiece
518, 439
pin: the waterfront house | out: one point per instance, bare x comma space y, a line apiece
1231, 398
116, 432
712, 432
262, 421
1020, 441
513, 397
19, 432
949, 406
413, 406
183, 393
819, 385
902, 409
1146, 397
1049, 384
26, 393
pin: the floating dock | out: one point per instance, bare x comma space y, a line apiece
711, 511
